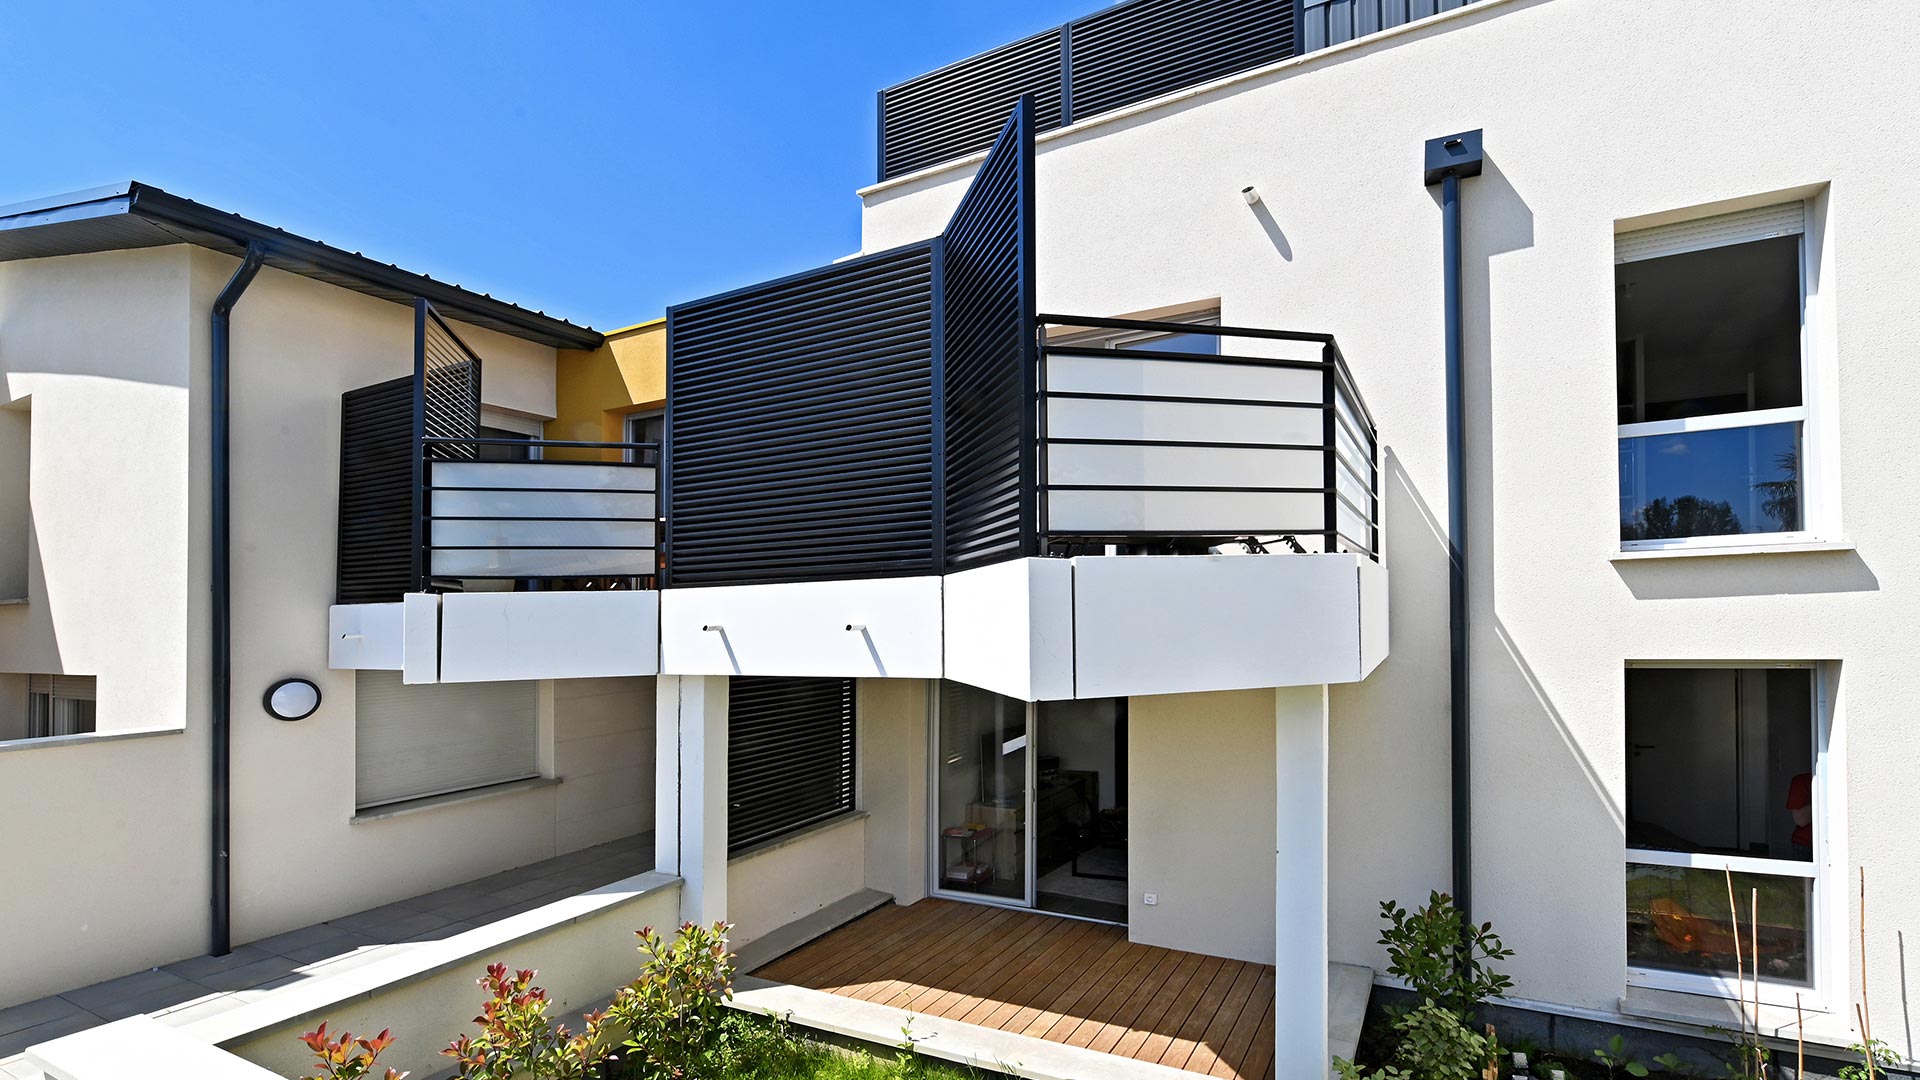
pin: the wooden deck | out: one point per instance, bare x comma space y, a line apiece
1071, 982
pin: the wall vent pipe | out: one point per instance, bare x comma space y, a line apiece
1449, 160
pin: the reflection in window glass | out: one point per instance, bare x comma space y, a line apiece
1198, 344
1709, 332
1677, 920
1710, 483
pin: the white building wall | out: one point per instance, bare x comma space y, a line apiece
1700, 104
103, 839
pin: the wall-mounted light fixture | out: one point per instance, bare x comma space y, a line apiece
857, 627
1248, 193
714, 628
291, 699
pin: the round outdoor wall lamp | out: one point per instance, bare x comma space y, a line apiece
291, 699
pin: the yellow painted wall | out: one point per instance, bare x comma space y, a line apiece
594, 391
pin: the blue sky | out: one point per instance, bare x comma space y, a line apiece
599, 161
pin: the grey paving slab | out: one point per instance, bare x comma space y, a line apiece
208, 965
17, 1042
301, 938
332, 947
30, 1013
247, 976
140, 982
406, 926
151, 1000
375, 917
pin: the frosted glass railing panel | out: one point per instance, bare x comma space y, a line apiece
542, 474
531, 534
1178, 421
1121, 374
535, 503
1183, 466
1096, 513
521, 563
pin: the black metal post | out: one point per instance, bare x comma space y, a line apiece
1330, 505
221, 937
1448, 161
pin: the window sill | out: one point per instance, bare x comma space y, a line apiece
86, 738
14, 601
1712, 1010
1705, 551
451, 798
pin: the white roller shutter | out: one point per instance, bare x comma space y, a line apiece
1740, 227
414, 741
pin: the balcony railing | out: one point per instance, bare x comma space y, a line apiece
538, 520
1261, 440
426, 503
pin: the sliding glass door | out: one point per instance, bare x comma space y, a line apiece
1029, 802
981, 780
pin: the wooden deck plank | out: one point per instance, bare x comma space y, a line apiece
1231, 1057
1219, 1022
1068, 981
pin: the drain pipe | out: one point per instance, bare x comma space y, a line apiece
222, 691
1448, 161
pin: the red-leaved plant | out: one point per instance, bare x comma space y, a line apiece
344, 1057
518, 1040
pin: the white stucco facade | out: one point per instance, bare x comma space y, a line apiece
1720, 107
105, 836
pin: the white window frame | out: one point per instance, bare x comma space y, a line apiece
1826, 921
1817, 505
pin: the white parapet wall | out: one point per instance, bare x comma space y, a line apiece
499, 636
1118, 626
879, 628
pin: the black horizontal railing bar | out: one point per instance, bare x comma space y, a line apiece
1161, 327
1209, 445
540, 490
436, 440
1098, 353
541, 547
1267, 403
1215, 488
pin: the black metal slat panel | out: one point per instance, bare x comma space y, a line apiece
988, 333
1147, 48
376, 493
958, 109
790, 755
800, 426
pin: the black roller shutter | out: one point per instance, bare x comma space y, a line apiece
789, 755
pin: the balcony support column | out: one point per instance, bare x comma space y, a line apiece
1300, 883
690, 791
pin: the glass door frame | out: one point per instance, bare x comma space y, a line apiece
936, 855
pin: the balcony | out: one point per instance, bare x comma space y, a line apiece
471, 557
897, 466
1116, 57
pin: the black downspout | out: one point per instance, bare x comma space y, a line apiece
222, 690
1448, 161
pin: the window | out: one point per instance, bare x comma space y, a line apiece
1723, 775
432, 739
498, 424
53, 705
647, 427
1711, 375
789, 756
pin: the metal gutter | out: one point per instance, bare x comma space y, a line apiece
221, 938
1449, 160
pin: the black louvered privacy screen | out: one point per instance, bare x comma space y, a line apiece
789, 755
988, 358
377, 449
1129, 52
806, 416
800, 426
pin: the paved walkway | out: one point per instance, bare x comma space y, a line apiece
206, 985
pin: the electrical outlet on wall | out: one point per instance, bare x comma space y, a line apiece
1150, 899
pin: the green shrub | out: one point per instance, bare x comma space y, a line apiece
673, 1014
1443, 960
517, 1040
1435, 1044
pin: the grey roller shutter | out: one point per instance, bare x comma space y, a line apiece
1720, 230
430, 739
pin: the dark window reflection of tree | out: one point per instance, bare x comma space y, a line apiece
1781, 497
1688, 515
